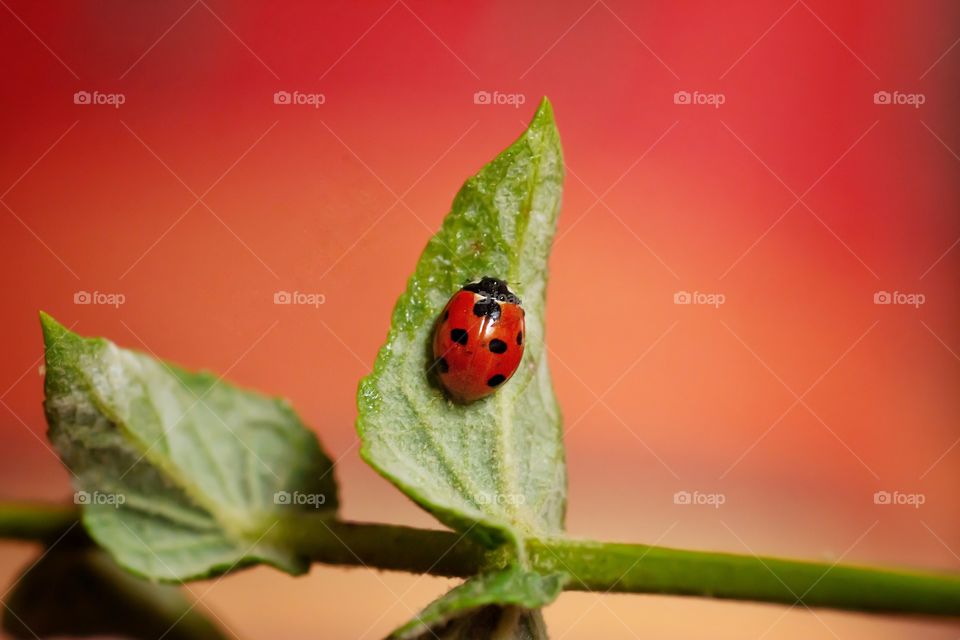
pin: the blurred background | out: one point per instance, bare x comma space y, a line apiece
789, 169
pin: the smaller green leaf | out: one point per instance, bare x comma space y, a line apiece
76, 592
180, 474
493, 622
501, 604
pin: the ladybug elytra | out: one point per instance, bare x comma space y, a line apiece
479, 339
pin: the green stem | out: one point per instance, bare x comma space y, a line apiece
32, 521
382, 546
595, 566
640, 568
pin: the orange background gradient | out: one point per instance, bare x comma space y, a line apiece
797, 199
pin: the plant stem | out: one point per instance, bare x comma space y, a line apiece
595, 566
383, 546
35, 521
640, 568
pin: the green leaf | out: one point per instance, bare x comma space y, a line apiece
494, 468
181, 475
493, 622
501, 604
75, 592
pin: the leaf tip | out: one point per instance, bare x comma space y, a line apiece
52, 330
543, 127
544, 110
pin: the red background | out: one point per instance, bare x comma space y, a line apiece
660, 197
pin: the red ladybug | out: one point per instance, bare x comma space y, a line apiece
478, 342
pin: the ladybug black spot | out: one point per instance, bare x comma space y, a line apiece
459, 336
442, 365
496, 380
520, 337
498, 346
487, 307
446, 314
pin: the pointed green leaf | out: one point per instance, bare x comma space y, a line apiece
180, 474
77, 592
494, 467
493, 621
501, 604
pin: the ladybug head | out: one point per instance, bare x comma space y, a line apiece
493, 288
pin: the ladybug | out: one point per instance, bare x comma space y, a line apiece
478, 341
